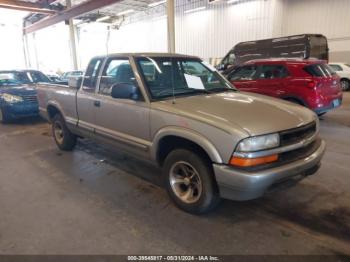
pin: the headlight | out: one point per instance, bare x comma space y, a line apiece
258, 143
12, 98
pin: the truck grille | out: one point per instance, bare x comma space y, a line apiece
289, 137
295, 135
30, 98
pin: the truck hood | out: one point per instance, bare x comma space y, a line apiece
252, 113
20, 90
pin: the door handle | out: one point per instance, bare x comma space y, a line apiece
97, 103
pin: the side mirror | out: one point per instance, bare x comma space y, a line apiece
125, 91
75, 82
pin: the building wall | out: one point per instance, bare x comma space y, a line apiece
11, 45
49, 49
212, 32
330, 18
215, 30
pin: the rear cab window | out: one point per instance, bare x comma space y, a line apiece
91, 76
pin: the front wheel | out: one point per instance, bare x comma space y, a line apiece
345, 84
64, 139
190, 181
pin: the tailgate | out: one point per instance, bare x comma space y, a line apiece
329, 86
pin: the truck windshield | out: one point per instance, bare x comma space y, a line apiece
319, 47
37, 77
167, 76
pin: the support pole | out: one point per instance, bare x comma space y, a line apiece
72, 39
36, 53
171, 25
25, 50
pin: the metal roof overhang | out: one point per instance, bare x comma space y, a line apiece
25, 6
67, 14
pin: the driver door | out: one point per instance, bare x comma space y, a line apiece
120, 120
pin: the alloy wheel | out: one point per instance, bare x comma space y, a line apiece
344, 85
185, 182
58, 132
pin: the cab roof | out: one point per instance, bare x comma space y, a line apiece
148, 55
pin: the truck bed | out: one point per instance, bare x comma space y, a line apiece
61, 96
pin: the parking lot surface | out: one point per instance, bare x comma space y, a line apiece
96, 200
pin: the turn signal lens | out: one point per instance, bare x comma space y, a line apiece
248, 162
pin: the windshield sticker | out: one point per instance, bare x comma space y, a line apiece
194, 82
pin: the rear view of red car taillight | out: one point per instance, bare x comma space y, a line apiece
311, 84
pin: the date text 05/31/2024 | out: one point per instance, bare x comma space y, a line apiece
173, 258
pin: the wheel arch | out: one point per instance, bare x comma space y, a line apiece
170, 138
54, 109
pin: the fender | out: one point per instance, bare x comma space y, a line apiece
68, 120
186, 134
294, 97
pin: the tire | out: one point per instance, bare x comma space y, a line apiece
345, 84
321, 114
65, 140
4, 118
190, 181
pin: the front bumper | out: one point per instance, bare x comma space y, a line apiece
243, 185
20, 110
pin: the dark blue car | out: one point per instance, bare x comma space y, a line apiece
18, 97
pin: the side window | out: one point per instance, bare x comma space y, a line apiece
117, 70
91, 75
272, 72
39, 77
231, 59
243, 73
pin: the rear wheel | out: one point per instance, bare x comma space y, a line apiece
64, 139
4, 118
190, 181
345, 84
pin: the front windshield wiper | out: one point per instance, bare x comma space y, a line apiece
191, 91
195, 90
222, 89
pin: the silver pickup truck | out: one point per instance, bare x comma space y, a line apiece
178, 112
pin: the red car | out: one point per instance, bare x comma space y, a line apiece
311, 83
